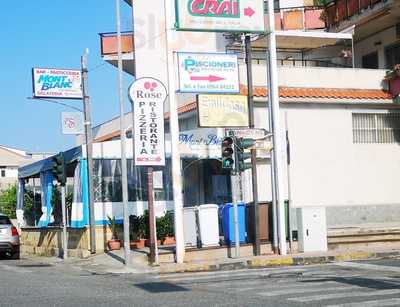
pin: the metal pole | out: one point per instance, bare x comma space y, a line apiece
64, 220
278, 143
288, 182
235, 190
152, 218
89, 149
250, 101
124, 171
174, 131
273, 179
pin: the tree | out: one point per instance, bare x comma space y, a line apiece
8, 201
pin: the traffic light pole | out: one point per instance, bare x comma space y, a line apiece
235, 199
257, 248
64, 221
89, 149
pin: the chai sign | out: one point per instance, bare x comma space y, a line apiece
208, 73
220, 15
148, 96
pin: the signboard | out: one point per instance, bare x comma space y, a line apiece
57, 83
220, 15
72, 123
223, 111
249, 133
148, 96
208, 73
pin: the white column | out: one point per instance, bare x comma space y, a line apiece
277, 131
174, 131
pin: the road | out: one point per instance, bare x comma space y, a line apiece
34, 282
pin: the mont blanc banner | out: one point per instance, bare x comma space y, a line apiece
220, 15
57, 83
148, 96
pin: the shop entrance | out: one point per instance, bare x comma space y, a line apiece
205, 182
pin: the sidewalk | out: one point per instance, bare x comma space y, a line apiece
113, 262
277, 260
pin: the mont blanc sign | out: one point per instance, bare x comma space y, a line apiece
148, 96
220, 15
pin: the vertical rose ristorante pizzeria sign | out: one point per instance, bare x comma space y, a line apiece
148, 96
220, 15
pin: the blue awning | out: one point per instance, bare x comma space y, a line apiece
37, 167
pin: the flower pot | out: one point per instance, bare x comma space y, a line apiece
114, 245
147, 243
138, 244
169, 241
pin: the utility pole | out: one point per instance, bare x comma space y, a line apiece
277, 130
89, 148
64, 221
174, 131
250, 101
124, 170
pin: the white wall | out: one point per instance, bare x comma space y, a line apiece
329, 170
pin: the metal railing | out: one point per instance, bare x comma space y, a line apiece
340, 10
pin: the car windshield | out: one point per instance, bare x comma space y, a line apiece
4, 220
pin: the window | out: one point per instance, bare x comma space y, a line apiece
392, 54
370, 61
3, 172
376, 128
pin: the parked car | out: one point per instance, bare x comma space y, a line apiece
9, 238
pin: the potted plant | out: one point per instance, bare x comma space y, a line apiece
146, 227
114, 243
137, 232
167, 226
393, 78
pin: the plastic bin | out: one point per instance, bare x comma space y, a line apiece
208, 224
189, 226
228, 225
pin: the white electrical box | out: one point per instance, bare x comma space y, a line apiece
312, 232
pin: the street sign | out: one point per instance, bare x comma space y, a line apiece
208, 73
220, 15
148, 96
72, 123
247, 133
222, 111
57, 83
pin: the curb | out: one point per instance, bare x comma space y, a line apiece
274, 262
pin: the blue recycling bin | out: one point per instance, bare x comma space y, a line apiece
228, 225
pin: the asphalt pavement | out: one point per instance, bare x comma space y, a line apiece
52, 282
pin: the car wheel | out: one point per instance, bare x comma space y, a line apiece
15, 256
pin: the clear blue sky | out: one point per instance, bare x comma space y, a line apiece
53, 34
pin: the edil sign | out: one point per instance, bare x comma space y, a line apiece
148, 96
208, 73
220, 15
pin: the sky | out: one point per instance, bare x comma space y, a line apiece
54, 34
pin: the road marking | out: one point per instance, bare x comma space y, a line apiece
232, 273
289, 291
343, 295
214, 275
367, 266
376, 303
13, 269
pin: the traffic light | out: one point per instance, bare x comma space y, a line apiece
241, 155
59, 169
228, 152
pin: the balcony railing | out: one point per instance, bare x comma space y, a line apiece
299, 18
109, 43
340, 10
